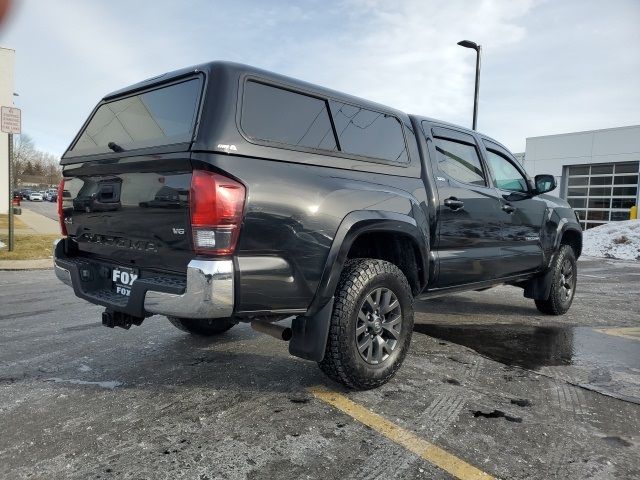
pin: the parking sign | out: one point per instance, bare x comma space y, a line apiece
11, 120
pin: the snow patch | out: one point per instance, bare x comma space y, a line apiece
613, 240
110, 384
84, 368
2, 245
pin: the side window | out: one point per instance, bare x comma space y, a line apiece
368, 133
279, 115
460, 161
506, 175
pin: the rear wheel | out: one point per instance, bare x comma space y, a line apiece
371, 325
203, 327
563, 287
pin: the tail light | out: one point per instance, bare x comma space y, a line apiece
63, 226
216, 212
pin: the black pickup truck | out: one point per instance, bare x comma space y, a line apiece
222, 193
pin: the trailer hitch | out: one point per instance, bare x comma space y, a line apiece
113, 319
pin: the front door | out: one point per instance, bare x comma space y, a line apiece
522, 213
468, 241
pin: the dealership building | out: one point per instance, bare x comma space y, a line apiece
597, 171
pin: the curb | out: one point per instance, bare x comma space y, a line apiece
19, 265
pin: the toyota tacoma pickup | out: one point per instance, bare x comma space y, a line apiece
222, 193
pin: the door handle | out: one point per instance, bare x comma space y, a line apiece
453, 203
508, 208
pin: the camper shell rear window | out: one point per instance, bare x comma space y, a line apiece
164, 115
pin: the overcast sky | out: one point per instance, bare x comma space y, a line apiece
548, 66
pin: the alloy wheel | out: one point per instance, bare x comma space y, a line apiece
567, 280
378, 325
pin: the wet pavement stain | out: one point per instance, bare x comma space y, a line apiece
616, 441
521, 345
608, 364
533, 347
451, 381
497, 414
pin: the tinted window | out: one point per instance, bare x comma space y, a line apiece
627, 167
600, 180
579, 170
578, 181
506, 175
599, 169
459, 161
368, 133
578, 192
577, 202
626, 180
279, 115
623, 202
157, 117
624, 191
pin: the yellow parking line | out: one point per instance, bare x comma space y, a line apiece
632, 333
428, 451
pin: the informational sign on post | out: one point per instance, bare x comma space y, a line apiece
11, 120
11, 123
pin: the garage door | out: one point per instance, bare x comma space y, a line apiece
601, 193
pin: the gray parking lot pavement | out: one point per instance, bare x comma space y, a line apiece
491, 387
48, 209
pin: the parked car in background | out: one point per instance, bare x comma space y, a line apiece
25, 193
51, 195
35, 197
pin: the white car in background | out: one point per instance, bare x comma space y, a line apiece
35, 197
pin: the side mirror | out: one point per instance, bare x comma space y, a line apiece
545, 183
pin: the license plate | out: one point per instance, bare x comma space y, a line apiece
123, 279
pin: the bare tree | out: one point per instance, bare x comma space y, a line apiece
23, 151
28, 161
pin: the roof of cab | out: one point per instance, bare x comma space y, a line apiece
218, 121
239, 69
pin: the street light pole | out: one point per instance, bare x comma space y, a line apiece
476, 96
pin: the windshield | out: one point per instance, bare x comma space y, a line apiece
157, 117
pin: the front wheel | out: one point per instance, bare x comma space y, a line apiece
563, 286
371, 325
203, 327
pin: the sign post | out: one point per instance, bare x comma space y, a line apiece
10, 123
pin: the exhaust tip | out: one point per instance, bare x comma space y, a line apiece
274, 330
287, 333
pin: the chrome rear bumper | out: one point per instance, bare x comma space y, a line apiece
208, 291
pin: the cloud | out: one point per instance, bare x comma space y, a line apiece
547, 66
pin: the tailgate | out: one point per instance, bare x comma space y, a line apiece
131, 213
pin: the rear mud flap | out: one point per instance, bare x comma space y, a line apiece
310, 334
539, 288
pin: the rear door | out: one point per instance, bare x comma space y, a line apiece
127, 177
469, 236
131, 212
521, 212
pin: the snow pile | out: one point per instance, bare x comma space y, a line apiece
613, 240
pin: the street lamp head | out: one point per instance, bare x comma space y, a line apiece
469, 44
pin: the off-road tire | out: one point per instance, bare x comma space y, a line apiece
557, 303
342, 361
203, 327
